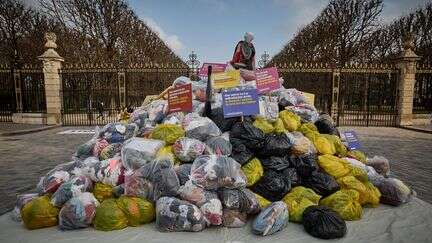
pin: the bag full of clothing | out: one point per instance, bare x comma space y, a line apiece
39, 213
110, 151
334, 166
393, 191
173, 214
322, 183
301, 145
152, 181
275, 163
168, 133
298, 199
109, 216
224, 124
290, 120
218, 145
233, 218
200, 128
380, 164
85, 150
52, 181
99, 146
307, 113
326, 125
102, 191
22, 199
136, 152
291, 97
252, 137
114, 132
264, 125
174, 118
275, 145
304, 164
212, 172
273, 185
240, 152
272, 219
268, 108
323, 222
241, 199
253, 171
167, 153
157, 110
137, 210
187, 149
212, 211
110, 171
183, 173
345, 203
78, 212
72, 188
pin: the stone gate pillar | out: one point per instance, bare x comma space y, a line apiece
51, 65
407, 67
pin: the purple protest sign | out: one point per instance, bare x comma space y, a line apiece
267, 80
240, 103
216, 68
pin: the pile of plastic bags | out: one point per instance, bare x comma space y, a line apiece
188, 172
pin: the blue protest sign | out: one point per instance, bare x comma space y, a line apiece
240, 103
352, 140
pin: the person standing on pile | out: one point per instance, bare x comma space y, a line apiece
244, 53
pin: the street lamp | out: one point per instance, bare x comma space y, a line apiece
264, 59
193, 62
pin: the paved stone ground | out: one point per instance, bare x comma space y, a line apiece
10, 127
25, 158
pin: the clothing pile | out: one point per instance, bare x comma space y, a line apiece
189, 171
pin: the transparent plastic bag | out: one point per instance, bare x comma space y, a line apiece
393, 191
306, 112
183, 173
187, 149
99, 146
200, 128
22, 199
110, 151
78, 212
157, 110
110, 171
152, 181
212, 172
268, 108
241, 199
380, 164
173, 214
233, 218
136, 152
301, 145
52, 181
291, 97
272, 219
72, 188
219, 145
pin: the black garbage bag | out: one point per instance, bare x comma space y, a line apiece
325, 125
275, 163
224, 124
252, 137
304, 164
183, 173
273, 185
323, 222
322, 183
241, 199
275, 145
240, 152
293, 176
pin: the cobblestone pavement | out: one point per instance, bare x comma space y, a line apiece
10, 127
25, 158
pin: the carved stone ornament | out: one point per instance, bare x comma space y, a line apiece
50, 53
408, 42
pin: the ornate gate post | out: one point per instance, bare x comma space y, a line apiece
335, 95
407, 67
51, 65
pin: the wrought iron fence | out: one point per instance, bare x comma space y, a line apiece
422, 102
7, 95
32, 91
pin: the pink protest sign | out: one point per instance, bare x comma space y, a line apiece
216, 68
267, 80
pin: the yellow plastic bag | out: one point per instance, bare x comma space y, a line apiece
102, 191
262, 201
358, 155
333, 165
167, 132
371, 197
109, 216
341, 150
290, 120
358, 173
345, 203
323, 145
350, 182
253, 171
167, 152
263, 125
137, 210
39, 213
278, 126
298, 200
308, 127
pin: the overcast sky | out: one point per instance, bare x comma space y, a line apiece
211, 28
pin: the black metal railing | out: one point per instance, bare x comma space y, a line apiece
422, 100
7, 96
32, 91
